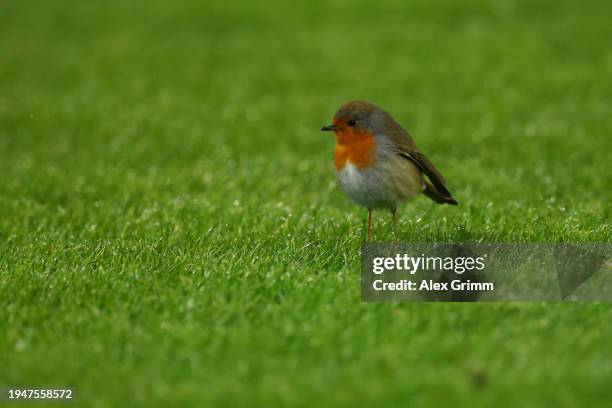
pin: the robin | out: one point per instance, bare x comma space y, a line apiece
378, 164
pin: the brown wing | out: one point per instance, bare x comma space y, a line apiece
438, 191
406, 147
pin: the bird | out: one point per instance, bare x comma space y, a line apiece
377, 163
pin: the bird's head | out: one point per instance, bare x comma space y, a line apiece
356, 120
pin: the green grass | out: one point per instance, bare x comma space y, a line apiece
170, 231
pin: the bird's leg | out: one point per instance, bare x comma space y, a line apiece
394, 217
369, 225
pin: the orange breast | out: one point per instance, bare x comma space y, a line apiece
356, 148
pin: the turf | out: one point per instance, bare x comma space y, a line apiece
171, 234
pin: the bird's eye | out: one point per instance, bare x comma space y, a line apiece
351, 122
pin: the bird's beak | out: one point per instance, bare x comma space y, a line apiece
328, 128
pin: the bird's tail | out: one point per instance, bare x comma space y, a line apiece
431, 192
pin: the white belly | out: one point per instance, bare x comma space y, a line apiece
384, 185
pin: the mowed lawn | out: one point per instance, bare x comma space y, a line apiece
170, 229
